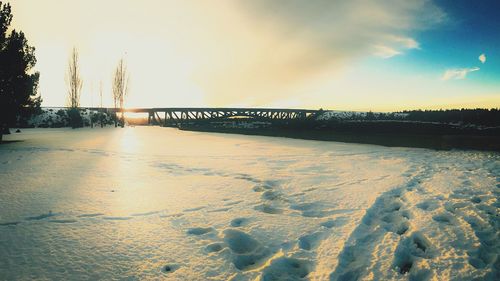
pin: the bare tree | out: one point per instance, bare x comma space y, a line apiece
74, 80
101, 113
120, 87
75, 84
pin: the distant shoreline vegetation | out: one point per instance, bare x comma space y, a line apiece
438, 129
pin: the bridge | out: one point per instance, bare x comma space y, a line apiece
175, 116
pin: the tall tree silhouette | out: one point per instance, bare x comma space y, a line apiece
18, 81
120, 87
75, 84
74, 80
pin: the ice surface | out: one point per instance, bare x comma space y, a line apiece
154, 203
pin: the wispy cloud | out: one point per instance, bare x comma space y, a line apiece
385, 51
407, 42
482, 58
394, 45
458, 73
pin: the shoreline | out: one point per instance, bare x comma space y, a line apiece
430, 141
438, 140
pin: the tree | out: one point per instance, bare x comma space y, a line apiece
74, 80
18, 80
120, 88
101, 113
75, 84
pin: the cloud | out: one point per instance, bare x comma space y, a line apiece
458, 73
461, 73
289, 42
393, 46
385, 51
408, 43
482, 58
248, 52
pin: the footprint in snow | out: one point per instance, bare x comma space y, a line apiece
247, 252
169, 268
311, 241
199, 230
237, 222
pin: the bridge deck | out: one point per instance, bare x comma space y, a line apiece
166, 109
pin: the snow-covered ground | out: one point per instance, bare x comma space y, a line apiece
158, 203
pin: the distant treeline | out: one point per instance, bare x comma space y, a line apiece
478, 117
484, 117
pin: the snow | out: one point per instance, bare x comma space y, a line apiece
154, 203
357, 115
51, 117
336, 114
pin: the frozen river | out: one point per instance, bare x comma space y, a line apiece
157, 203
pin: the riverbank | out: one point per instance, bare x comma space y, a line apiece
434, 140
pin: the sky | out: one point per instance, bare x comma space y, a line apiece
379, 55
